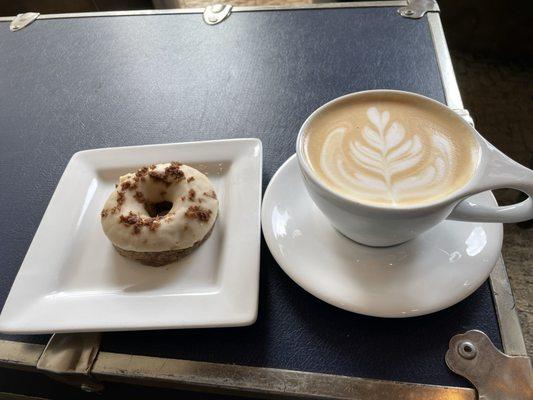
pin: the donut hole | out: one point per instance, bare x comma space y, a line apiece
158, 209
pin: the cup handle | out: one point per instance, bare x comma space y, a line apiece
501, 172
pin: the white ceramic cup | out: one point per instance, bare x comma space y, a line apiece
386, 226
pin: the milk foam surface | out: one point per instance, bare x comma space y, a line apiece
392, 151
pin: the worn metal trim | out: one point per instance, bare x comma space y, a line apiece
216, 13
362, 4
416, 9
14, 396
69, 358
21, 21
19, 355
494, 374
449, 83
510, 330
234, 379
504, 302
264, 382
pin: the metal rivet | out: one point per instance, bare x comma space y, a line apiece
467, 350
408, 12
216, 13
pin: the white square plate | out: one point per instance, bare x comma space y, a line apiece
72, 280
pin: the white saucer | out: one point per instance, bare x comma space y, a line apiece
434, 271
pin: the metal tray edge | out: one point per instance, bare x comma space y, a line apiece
362, 4
510, 330
233, 379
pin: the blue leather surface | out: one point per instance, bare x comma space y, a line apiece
75, 84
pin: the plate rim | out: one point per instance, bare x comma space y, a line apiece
244, 312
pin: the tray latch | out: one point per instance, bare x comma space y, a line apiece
22, 20
418, 8
69, 358
216, 13
495, 375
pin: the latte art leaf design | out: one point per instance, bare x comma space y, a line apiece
386, 161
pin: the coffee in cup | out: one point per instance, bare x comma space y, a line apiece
385, 166
390, 150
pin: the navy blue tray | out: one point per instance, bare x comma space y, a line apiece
80, 83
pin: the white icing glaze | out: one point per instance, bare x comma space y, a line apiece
384, 163
176, 230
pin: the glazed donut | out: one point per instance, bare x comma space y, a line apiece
160, 213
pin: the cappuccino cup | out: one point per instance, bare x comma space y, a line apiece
385, 165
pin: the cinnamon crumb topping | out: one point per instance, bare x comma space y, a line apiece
139, 197
211, 194
174, 170
199, 213
130, 219
158, 176
171, 174
138, 222
169, 216
141, 172
120, 199
125, 185
154, 225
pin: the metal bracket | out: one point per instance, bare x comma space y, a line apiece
495, 375
216, 13
69, 358
22, 20
418, 8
